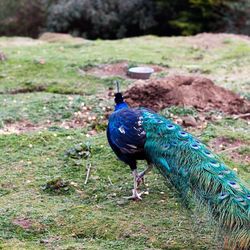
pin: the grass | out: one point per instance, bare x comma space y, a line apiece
95, 215
39, 107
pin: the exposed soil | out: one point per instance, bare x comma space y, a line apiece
21, 127
188, 91
81, 119
19, 41
210, 40
222, 144
38, 88
51, 37
26, 126
24, 223
117, 69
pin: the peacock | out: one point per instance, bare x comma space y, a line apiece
141, 134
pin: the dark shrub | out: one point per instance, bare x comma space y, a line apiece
104, 19
110, 19
189, 17
22, 17
235, 17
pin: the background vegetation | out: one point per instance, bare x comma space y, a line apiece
111, 19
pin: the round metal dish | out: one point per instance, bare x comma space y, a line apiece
140, 72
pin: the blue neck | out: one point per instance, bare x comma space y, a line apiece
121, 105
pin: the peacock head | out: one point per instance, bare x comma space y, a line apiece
119, 101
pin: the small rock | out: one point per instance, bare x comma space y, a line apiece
58, 186
122, 202
189, 121
40, 61
24, 223
2, 57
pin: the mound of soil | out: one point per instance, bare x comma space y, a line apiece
51, 37
19, 41
117, 69
210, 40
188, 91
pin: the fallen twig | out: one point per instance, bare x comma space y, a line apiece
242, 116
88, 173
111, 183
230, 149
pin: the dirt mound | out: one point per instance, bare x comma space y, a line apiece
188, 91
51, 37
19, 41
117, 69
214, 40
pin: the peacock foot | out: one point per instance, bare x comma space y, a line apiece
136, 196
140, 179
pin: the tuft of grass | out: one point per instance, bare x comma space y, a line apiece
179, 111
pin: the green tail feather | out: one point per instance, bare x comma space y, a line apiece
192, 168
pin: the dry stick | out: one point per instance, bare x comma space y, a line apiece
230, 149
242, 116
88, 173
110, 181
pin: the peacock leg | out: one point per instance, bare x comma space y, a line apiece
140, 176
135, 194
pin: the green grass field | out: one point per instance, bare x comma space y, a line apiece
44, 201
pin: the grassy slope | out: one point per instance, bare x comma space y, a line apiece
95, 216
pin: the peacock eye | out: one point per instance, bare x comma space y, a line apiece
214, 164
170, 127
234, 185
159, 121
183, 134
239, 199
194, 146
209, 154
223, 196
248, 197
198, 142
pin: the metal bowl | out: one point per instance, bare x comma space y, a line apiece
140, 72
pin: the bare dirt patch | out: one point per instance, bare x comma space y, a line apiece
51, 37
118, 69
187, 91
85, 118
232, 147
24, 223
213, 40
20, 127
38, 88
19, 41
